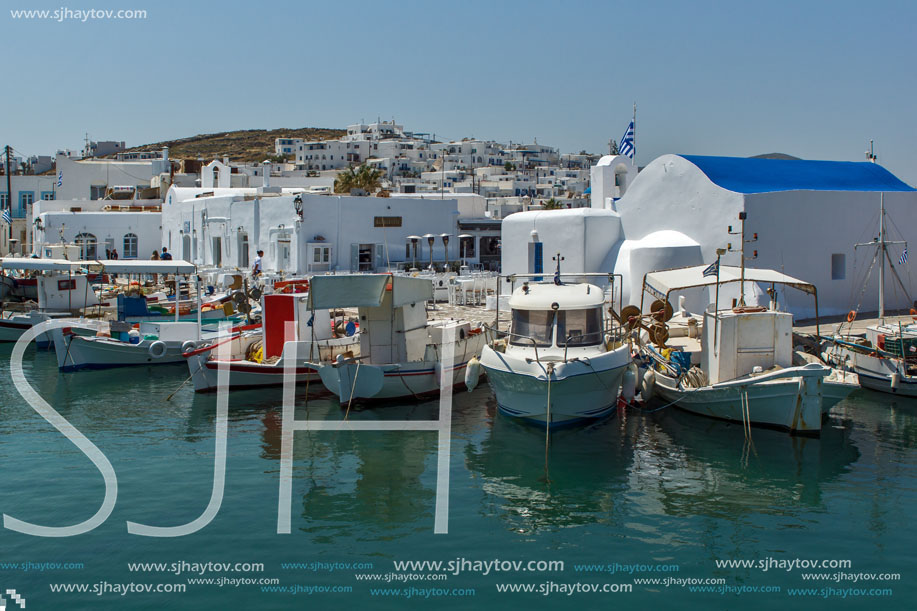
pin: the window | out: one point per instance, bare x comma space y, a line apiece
579, 327
4, 199
387, 221
26, 198
97, 192
531, 325
321, 254
838, 266
47, 196
88, 245
130, 246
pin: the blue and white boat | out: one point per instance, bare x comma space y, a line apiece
559, 364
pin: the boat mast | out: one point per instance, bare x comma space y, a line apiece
881, 256
881, 245
741, 233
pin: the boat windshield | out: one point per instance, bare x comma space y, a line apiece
531, 325
579, 327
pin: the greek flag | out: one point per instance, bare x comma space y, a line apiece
6, 216
60, 178
627, 142
903, 259
713, 269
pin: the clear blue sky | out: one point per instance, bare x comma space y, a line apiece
815, 79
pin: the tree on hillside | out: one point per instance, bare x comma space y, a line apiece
552, 204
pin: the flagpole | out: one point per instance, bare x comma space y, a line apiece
635, 134
716, 299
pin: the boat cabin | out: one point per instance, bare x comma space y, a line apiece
732, 342
548, 315
391, 309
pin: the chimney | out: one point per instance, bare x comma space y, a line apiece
266, 174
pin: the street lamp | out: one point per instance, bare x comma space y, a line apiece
430, 239
414, 239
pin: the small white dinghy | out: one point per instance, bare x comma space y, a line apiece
156, 343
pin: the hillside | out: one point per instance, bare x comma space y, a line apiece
251, 145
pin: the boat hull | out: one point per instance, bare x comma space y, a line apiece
580, 390
792, 403
881, 374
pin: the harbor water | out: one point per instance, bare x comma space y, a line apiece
716, 520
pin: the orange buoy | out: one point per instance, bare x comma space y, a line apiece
852, 315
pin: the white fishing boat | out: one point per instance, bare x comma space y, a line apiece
290, 335
401, 352
60, 289
154, 343
885, 360
562, 361
735, 364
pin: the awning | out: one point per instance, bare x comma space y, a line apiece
366, 291
660, 284
116, 266
49, 265
347, 291
141, 266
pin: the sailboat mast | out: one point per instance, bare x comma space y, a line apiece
881, 256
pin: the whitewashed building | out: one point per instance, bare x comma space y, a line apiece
304, 233
806, 217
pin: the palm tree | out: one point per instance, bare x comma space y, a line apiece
365, 177
552, 204
368, 178
345, 181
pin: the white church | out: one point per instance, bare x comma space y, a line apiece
803, 218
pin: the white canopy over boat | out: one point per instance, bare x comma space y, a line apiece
45, 265
367, 291
116, 266
664, 282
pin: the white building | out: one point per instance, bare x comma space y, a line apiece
225, 227
806, 215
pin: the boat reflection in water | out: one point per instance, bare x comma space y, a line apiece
708, 468
381, 481
586, 475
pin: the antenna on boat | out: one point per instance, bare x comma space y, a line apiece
741, 232
557, 258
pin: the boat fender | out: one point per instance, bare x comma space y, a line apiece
158, 349
896, 379
648, 385
462, 333
188, 346
472, 373
629, 383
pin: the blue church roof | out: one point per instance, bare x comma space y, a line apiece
751, 175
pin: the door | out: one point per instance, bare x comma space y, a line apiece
217, 251
283, 255
243, 250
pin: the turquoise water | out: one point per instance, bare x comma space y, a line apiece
670, 491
